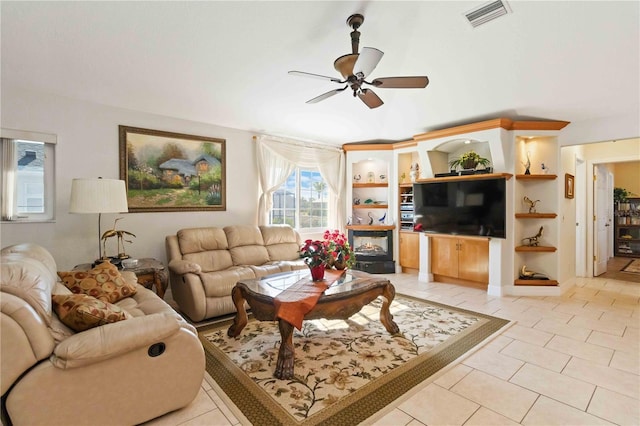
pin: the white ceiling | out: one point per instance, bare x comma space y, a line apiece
226, 63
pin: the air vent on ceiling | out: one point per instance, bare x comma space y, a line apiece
487, 12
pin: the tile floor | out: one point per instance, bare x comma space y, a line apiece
570, 360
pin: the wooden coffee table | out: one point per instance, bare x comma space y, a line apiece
345, 297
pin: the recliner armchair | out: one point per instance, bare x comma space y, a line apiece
125, 372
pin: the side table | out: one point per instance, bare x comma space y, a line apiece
149, 271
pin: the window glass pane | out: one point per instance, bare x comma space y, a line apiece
27, 181
30, 177
305, 195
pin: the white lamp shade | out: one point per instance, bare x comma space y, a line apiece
98, 196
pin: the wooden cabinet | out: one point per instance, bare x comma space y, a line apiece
464, 259
409, 250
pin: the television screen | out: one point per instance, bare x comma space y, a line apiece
464, 207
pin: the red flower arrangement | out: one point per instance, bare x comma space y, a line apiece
339, 248
314, 253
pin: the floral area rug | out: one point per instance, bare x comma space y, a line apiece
345, 371
632, 267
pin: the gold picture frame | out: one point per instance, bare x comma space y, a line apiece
569, 186
168, 172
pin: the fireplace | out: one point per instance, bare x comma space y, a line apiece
373, 251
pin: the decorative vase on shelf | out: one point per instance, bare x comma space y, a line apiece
317, 272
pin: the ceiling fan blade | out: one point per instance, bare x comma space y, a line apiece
325, 96
367, 61
370, 98
321, 77
401, 82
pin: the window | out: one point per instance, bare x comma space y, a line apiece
27, 177
302, 201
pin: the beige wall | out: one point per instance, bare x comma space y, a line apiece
88, 147
627, 176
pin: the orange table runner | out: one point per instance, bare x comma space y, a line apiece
299, 299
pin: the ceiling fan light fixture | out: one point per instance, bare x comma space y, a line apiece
344, 64
355, 67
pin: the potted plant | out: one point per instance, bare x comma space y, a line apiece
469, 160
315, 255
339, 249
620, 195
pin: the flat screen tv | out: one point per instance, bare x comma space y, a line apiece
461, 207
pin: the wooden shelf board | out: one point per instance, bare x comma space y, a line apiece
370, 206
483, 176
406, 185
536, 177
370, 227
536, 215
536, 282
535, 249
370, 185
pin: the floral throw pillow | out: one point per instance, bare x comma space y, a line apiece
81, 312
104, 282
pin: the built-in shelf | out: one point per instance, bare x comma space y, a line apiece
535, 249
370, 185
536, 282
536, 215
536, 177
370, 227
481, 176
370, 206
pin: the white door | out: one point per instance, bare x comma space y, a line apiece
600, 200
580, 192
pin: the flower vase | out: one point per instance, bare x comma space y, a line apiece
317, 272
340, 264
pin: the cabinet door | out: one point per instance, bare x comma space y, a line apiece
473, 260
444, 256
410, 250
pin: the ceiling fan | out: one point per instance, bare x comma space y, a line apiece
355, 67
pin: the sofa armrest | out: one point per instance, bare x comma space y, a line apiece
111, 340
181, 267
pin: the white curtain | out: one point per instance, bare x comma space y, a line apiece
277, 158
9, 170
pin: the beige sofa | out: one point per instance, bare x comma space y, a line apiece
125, 372
205, 263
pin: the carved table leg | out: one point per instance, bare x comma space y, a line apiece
240, 320
388, 293
284, 365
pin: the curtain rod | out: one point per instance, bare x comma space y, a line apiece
300, 143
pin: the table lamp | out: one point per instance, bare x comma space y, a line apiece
98, 196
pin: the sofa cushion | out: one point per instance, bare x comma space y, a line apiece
246, 245
30, 280
103, 282
220, 283
81, 312
197, 240
33, 251
281, 241
213, 260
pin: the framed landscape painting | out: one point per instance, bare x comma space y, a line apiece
166, 172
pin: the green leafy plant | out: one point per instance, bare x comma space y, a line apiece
620, 195
469, 160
